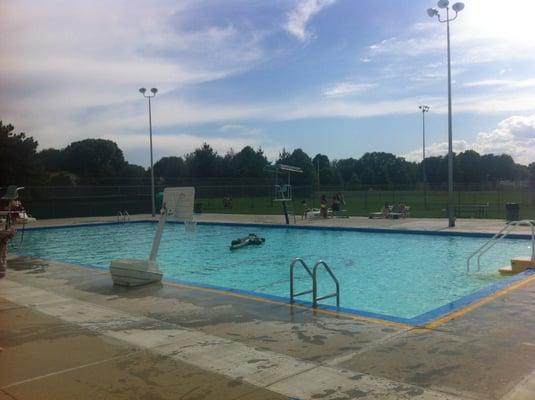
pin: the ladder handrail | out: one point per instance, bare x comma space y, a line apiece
315, 297
126, 215
496, 240
499, 236
292, 265
483, 246
119, 216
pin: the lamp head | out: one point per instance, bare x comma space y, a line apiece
142, 90
458, 7
432, 12
154, 90
424, 108
443, 3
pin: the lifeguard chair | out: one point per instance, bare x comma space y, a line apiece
282, 192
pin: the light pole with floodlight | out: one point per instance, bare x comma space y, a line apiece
457, 7
143, 91
424, 110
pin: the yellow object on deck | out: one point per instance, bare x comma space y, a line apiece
518, 264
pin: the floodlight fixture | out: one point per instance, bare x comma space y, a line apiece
142, 90
154, 90
424, 108
458, 7
432, 12
443, 3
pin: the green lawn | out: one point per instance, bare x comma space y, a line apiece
361, 203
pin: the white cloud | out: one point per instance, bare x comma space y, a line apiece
502, 83
489, 82
514, 136
346, 89
64, 63
484, 32
298, 18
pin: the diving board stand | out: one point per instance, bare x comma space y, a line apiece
177, 205
283, 192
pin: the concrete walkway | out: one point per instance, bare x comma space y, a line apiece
68, 333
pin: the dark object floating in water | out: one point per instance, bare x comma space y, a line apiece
248, 240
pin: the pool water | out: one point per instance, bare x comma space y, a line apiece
393, 274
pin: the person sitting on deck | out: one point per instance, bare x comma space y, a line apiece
305, 208
335, 206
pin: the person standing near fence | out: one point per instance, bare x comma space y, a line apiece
323, 206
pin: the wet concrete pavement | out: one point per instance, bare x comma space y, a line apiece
67, 332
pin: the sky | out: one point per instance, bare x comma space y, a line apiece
337, 77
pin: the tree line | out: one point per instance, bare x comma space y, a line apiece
102, 162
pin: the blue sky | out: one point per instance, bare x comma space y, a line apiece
340, 77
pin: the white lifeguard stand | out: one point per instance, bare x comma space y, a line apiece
177, 205
283, 192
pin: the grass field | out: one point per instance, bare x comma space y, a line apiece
50, 202
361, 203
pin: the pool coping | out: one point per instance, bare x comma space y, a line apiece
426, 319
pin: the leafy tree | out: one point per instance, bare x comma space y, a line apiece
346, 169
495, 168
531, 173
132, 173
468, 167
18, 161
94, 159
51, 159
170, 168
300, 159
326, 171
249, 163
203, 162
436, 169
380, 168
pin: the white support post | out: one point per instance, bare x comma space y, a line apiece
158, 236
532, 241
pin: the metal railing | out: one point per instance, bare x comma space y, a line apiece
123, 216
499, 236
314, 275
292, 265
315, 297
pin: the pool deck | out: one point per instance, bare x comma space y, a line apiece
67, 333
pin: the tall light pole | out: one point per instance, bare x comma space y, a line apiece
457, 7
424, 110
143, 91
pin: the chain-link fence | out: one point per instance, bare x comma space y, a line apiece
248, 198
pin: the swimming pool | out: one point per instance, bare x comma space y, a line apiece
397, 276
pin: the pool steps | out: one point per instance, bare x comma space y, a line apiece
518, 264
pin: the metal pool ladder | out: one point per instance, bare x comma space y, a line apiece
123, 216
499, 236
314, 275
